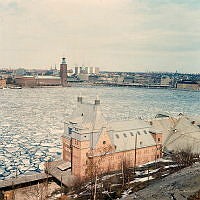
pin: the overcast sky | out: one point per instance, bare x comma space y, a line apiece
115, 35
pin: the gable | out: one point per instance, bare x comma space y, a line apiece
104, 143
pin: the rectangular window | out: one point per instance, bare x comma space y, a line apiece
131, 133
70, 130
125, 135
145, 131
138, 133
117, 136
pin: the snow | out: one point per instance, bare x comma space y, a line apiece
158, 160
142, 179
146, 172
126, 193
170, 166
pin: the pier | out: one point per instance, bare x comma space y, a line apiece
24, 181
61, 172
57, 171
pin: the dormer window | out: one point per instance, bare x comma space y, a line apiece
70, 130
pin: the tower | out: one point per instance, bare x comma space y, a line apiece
81, 135
63, 72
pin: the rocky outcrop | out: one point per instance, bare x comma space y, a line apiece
178, 186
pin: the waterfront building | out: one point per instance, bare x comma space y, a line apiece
63, 72
83, 77
179, 133
32, 81
91, 70
20, 72
188, 84
77, 70
81, 70
128, 79
89, 138
25, 81
2, 83
96, 70
165, 80
47, 81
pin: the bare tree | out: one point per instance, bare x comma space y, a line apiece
184, 157
37, 192
126, 172
94, 170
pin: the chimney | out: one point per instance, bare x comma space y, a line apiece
80, 99
97, 102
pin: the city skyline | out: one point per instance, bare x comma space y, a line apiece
114, 35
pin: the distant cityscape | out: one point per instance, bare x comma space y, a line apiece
83, 75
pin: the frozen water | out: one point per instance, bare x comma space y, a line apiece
31, 120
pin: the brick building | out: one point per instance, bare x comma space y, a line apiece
2, 83
48, 81
89, 138
33, 81
25, 81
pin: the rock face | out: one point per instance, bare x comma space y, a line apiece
177, 186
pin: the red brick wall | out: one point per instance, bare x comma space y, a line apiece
2, 83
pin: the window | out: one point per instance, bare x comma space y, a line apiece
125, 135
70, 130
141, 143
145, 131
104, 142
131, 133
158, 139
117, 136
82, 114
138, 133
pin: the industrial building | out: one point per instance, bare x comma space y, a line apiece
89, 138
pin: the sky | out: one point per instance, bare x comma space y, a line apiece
115, 35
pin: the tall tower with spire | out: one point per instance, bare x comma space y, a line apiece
63, 72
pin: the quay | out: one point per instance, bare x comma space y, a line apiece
133, 85
112, 84
57, 171
61, 171
24, 181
